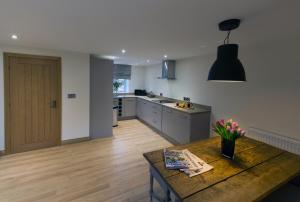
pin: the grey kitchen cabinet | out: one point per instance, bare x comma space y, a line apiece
154, 112
150, 113
141, 109
184, 128
177, 126
129, 107
146, 111
167, 121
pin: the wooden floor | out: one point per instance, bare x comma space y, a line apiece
110, 169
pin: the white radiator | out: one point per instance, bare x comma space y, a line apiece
276, 140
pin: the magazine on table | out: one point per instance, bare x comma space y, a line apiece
186, 162
175, 159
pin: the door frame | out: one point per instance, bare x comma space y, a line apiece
7, 134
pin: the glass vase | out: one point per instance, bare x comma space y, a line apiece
227, 148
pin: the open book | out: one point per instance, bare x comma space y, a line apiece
185, 161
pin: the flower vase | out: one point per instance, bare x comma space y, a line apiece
227, 148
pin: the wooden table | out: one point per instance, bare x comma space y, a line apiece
257, 170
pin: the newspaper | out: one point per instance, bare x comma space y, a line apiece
175, 159
186, 162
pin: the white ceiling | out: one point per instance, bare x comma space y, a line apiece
147, 29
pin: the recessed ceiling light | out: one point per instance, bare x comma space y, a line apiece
165, 56
123, 51
14, 36
148, 61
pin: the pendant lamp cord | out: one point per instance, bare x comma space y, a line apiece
226, 40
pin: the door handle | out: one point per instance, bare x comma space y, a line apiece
53, 104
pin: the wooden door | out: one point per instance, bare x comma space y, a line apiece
32, 102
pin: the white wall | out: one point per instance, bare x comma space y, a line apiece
75, 79
269, 100
137, 78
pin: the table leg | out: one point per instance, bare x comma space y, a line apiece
151, 186
163, 185
173, 197
167, 195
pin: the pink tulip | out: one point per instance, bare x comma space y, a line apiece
222, 122
219, 123
243, 132
234, 124
232, 131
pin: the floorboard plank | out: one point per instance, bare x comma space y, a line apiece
108, 169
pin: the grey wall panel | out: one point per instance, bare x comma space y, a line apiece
101, 99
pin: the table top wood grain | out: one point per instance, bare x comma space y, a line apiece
256, 171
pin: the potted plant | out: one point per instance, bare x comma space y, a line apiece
229, 132
116, 86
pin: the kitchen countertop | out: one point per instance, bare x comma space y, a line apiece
197, 108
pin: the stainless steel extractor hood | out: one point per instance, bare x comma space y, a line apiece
168, 69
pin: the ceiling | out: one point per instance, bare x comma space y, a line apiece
147, 29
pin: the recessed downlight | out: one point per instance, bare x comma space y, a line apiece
14, 37
123, 51
148, 61
165, 56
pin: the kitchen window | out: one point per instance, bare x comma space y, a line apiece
124, 87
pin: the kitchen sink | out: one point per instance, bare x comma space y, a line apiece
163, 101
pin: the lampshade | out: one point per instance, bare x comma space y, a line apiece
227, 67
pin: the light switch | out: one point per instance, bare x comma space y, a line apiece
71, 95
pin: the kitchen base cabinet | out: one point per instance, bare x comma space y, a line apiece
129, 107
142, 109
177, 126
126, 107
139, 108
155, 115
149, 113
184, 128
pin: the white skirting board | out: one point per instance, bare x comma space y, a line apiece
274, 139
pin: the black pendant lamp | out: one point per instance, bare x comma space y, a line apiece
227, 67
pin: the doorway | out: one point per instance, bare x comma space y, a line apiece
32, 102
